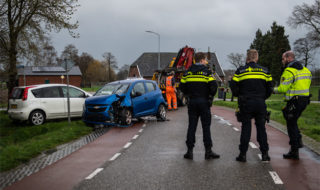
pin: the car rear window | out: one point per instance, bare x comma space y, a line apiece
17, 93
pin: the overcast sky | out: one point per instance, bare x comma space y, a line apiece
226, 26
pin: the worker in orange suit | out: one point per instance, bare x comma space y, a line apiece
171, 91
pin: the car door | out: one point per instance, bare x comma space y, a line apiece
152, 97
51, 100
138, 95
77, 98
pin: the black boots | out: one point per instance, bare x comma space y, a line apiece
189, 154
292, 154
210, 155
265, 157
241, 157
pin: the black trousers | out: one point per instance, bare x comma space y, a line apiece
199, 107
294, 110
253, 108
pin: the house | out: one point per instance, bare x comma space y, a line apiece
147, 63
31, 75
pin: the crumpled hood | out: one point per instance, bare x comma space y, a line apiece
105, 99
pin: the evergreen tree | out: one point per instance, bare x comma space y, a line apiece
271, 46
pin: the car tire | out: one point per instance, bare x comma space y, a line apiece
37, 117
183, 101
126, 117
162, 113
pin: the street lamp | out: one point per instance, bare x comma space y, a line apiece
158, 46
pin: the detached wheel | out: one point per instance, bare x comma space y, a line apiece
37, 117
125, 117
162, 113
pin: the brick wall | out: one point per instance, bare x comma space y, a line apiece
32, 80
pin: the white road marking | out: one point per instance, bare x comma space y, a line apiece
252, 145
275, 177
115, 156
144, 125
94, 173
127, 145
260, 156
236, 129
135, 137
140, 130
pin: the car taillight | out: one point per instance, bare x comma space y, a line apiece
25, 93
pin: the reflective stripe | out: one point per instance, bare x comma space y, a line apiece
286, 83
197, 78
304, 77
252, 75
298, 91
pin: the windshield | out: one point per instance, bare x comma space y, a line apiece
112, 89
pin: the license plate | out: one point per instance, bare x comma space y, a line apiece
14, 106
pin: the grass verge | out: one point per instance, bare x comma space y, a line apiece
308, 122
92, 89
20, 142
314, 90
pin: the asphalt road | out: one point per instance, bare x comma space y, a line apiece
155, 161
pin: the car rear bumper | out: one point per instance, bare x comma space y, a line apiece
18, 115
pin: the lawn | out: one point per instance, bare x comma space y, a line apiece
92, 89
21, 142
308, 122
314, 90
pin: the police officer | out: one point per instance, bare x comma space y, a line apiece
200, 86
295, 83
252, 84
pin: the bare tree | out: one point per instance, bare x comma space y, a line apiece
124, 72
111, 64
304, 50
236, 59
24, 23
308, 16
70, 52
84, 61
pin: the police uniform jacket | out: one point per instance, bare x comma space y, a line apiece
252, 81
198, 82
295, 81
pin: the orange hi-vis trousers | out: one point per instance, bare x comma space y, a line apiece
171, 95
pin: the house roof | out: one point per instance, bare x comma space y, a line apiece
42, 71
148, 62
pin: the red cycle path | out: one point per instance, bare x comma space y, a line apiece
69, 171
295, 174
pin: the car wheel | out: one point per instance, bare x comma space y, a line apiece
126, 117
162, 113
37, 117
183, 101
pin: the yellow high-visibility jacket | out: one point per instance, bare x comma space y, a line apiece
294, 82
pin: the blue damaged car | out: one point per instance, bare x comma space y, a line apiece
118, 102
